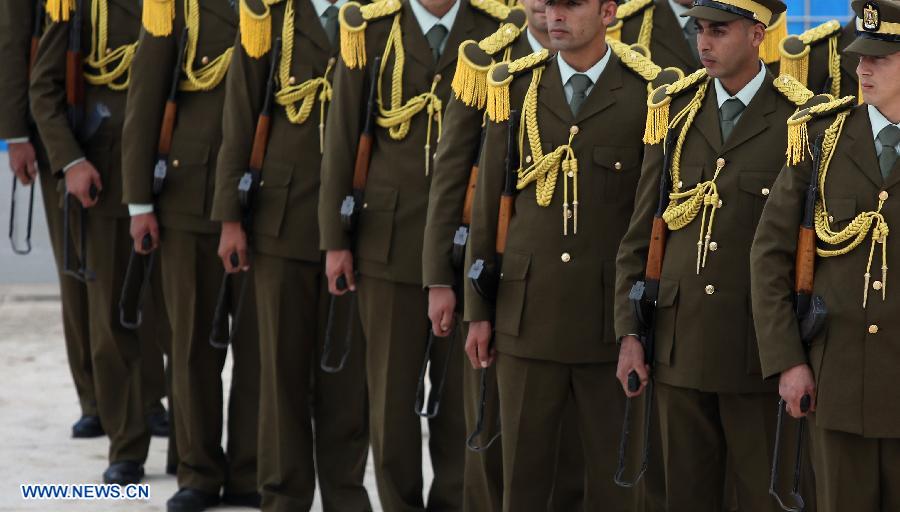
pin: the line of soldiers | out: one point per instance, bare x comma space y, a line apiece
420, 160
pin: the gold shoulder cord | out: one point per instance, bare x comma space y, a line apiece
797, 64
101, 57
211, 74
305, 93
629, 9
397, 118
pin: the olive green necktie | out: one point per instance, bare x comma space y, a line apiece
889, 136
331, 23
435, 37
580, 83
728, 116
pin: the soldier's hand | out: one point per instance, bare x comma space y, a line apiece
337, 264
631, 358
478, 345
23, 162
80, 179
793, 384
233, 240
441, 306
141, 226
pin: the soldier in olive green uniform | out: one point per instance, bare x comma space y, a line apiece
459, 147
89, 155
187, 240
815, 59
419, 43
729, 121
312, 423
850, 368
553, 313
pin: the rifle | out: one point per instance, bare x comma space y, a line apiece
485, 280
35, 39
75, 114
349, 215
219, 336
811, 314
164, 146
643, 296
461, 238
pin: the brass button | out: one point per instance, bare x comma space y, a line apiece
573, 130
566, 257
501, 275
831, 218
710, 289
713, 246
175, 163
873, 329
764, 191
262, 183
618, 166
528, 159
365, 205
292, 80
877, 285
437, 78
883, 195
720, 162
570, 174
721, 203
204, 60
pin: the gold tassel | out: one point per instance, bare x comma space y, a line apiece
859, 96
157, 17
470, 80
798, 142
353, 40
498, 102
615, 31
59, 10
657, 120
775, 33
256, 31
796, 65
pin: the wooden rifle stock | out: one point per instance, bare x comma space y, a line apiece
366, 136
509, 189
806, 261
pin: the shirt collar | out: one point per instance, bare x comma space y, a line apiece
566, 71
427, 20
879, 122
679, 9
536, 45
321, 5
747, 93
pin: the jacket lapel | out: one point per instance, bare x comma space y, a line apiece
459, 32
552, 95
306, 22
862, 152
414, 42
707, 121
602, 95
665, 22
754, 119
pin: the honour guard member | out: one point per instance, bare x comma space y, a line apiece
174, 209
449, 204
417, 43
816, 59
724, 150
846, 165
312, 423
578, 151
84, 145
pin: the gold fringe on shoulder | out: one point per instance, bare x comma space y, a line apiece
474, 60
354, 19
658, 102
499, 78
775, 33
798, 133
157, 17
256, 30
795, 51
59, 10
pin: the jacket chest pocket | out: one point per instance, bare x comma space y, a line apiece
617, 170
511, 294
272, 197
755, 187
185, 188
376, 223
841, 211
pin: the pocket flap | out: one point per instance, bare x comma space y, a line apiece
668, 292
515, 266
841, 208
690, 175
188, 153
757, 183
276, 174
380, 199
616, 159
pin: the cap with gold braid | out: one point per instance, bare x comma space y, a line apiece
762, 11
877, 28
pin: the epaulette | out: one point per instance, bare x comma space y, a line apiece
497, 10
500, 76
659, 100
474, 59
256, 27
157, 16
794, 50
798, 132
625, 11
775, 33
354, 19
792, 89
59, 10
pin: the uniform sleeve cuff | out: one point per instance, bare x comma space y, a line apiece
17, 140
139, 209
73, 163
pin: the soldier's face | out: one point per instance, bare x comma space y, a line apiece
879, 78
575, 24
535, 11
727, 47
